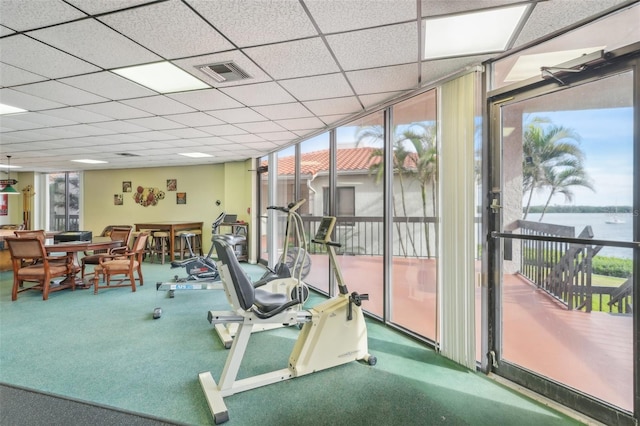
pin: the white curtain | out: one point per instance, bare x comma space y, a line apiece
456, 302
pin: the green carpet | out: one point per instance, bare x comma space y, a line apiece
108, 349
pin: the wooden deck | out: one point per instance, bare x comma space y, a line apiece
590, 352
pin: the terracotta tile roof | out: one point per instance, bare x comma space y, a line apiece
349, 159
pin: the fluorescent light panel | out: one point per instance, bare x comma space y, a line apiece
195, 154
8, 109
87, 161
163, 77
471, 33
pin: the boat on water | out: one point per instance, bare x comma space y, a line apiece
614, 220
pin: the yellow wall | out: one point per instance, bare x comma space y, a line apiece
203, 185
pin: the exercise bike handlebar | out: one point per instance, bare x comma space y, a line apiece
292, 207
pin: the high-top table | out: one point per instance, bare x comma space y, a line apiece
172, 227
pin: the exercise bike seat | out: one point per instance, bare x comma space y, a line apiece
248, 296
280, 271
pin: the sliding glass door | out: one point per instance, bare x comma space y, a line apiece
564, 206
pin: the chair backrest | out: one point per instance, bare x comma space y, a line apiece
12, 226
106, 232
121, 234
242, 286
140, 243
26, 248
37, 233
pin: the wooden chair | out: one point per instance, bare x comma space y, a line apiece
42, 271
122, 264
116, 234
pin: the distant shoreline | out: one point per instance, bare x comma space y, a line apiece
582, 209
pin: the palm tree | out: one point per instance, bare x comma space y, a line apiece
561, 177
546, 147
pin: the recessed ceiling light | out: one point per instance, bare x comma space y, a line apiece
163, 77
90, 161
195, 154
8, 109
492, 29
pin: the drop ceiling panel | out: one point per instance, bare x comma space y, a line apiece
258, 94
121, 127
294, 59
223, 130
244, 138
77, 114
319, 87
155, 123
12, 76
443, 67
158, 105
101, 6
108, 85
262, 126
206, 100
26, 101
277, 112
97, 49
388, 79
21, 15
116, 110
26, 53
195, 119
444, 7
277, 136
278, 20
349, 15
349, 105
237, 115
44, 120
58, 92
377, 47
5, 31
187, 133
378, 98
301, 123
171, 29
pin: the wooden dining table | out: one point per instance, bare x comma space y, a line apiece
75, 247
172, 227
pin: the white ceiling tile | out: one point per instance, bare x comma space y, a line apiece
14, 123
223, 130
195, 119
277, 136
204, 100
261, 145
240, 60
244, 138
101, 6
388, 79
262, 126
280, 111
292, 59
433, 70
154, 135
301, 123
333, 119
258, 94
4, 31
318, 87
349, 105
99, 48
26, 53
158, 105
378, 47
445, 7
278, 20
187, 133
109, 85
378, 98
237, 115
170, 29
115, 110
345, 15
58, 92
155, 123
59, 133
12, 76
89, 130
21, 15
121, 127
43, 119
26, 101
77, 114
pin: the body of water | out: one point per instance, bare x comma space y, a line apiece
601, 229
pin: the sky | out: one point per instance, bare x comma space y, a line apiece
607, 141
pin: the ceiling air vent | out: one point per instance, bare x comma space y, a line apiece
224, 72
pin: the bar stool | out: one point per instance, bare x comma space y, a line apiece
196, 242
160, 246
183, 244
148, 249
